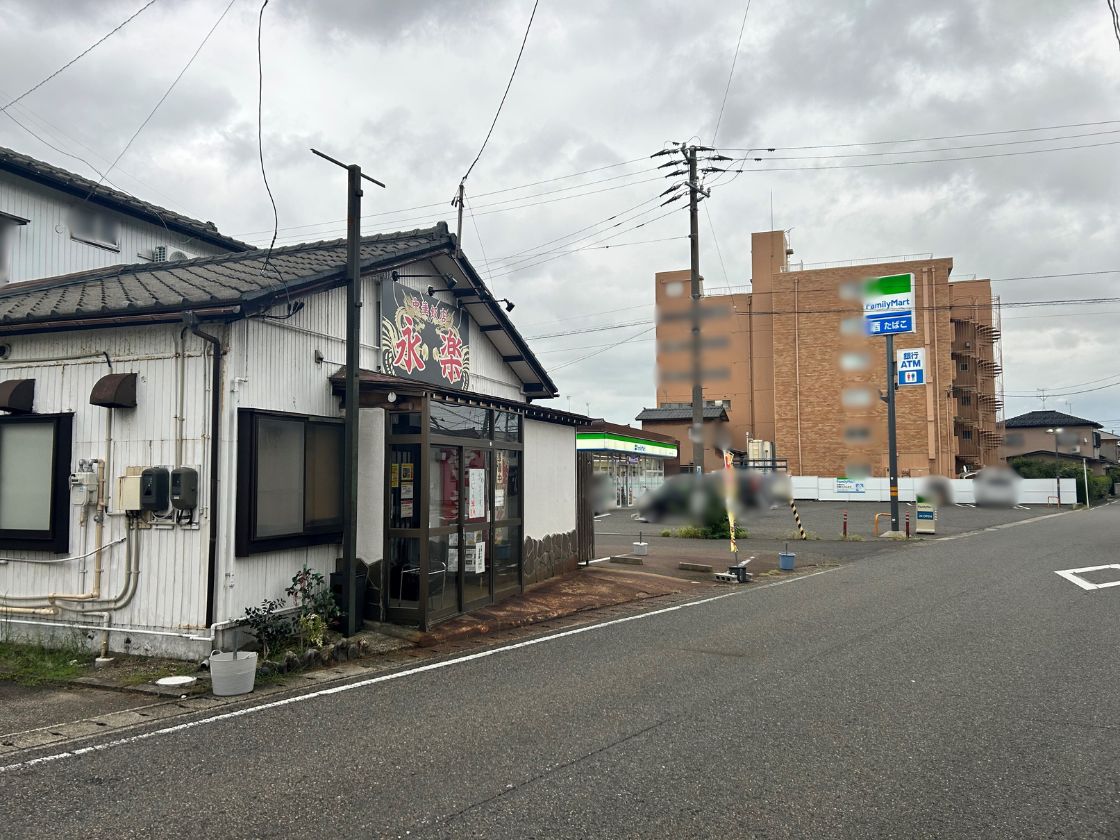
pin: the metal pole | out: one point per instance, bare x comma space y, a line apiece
1057, 471
697, 373
892, 438
350, 447
1085, 477
350, 427
459, 226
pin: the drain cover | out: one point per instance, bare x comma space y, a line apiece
175, 682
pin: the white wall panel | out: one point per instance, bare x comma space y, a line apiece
44, 248
550, 479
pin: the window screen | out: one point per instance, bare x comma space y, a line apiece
26, 471
34, 491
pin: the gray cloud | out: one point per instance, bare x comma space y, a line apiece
409, 89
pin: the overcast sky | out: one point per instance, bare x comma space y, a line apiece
408, 89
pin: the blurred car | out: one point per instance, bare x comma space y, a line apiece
996, 487
677, 499
935, 489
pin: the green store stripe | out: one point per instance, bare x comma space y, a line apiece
896, 284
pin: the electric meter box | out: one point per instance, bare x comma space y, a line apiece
155, 487
184, 488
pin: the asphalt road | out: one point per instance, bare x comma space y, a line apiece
957, 688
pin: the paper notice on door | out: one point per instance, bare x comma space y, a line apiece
406, 510
499, 497
476, 494
394, 475
406, 490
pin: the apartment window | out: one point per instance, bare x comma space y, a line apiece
964, 366
965, 399
34, 482
289, 481
966, 434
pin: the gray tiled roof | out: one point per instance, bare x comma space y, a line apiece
1047, 419
711, 412
104, 195
204, 282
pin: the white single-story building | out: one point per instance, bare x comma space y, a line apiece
171, 443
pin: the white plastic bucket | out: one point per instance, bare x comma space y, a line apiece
232, 673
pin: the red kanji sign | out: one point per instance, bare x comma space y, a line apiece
406, 350
424, 338
451, 356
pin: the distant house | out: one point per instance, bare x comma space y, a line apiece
55, 222
1050, 435
171, 443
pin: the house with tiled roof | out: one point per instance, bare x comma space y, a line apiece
1055, 436
171, 440
54, 222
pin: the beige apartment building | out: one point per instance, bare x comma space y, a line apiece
788, 364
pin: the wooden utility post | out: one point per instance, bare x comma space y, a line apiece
353, 356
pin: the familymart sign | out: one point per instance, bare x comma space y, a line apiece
888, 304
604, 441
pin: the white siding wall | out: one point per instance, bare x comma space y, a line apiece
267, 365
171, 593
550, 479
44, 248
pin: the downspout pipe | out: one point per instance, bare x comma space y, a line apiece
191, 321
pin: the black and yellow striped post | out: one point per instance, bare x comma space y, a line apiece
797, 519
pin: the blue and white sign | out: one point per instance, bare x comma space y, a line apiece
911, 366
888, 304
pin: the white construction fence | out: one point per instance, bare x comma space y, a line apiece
1031, 491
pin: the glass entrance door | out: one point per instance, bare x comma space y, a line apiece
478, 559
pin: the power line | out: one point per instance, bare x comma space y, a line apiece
440, 204
509, 84
931, 139
80, 55
852, 311
715, 239
536, 253
498, 208
731, 74
945, 148
930, 160
602, 350
478, 236
557, 256
166, 93
1115, 20
260, 144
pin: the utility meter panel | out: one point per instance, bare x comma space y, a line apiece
184, 488
155, 489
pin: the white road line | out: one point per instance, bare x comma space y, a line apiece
1073, 576
434, 666
599, 560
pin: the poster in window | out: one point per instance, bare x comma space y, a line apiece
406, 472
406, 490
424, 338
395, 476
406, 510
476, 494
475, 560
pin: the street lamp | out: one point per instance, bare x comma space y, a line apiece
1057, 473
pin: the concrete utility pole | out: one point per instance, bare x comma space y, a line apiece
350, 431
694, 191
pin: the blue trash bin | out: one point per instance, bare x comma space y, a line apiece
785, 561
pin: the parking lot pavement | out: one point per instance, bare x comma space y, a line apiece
823, 520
